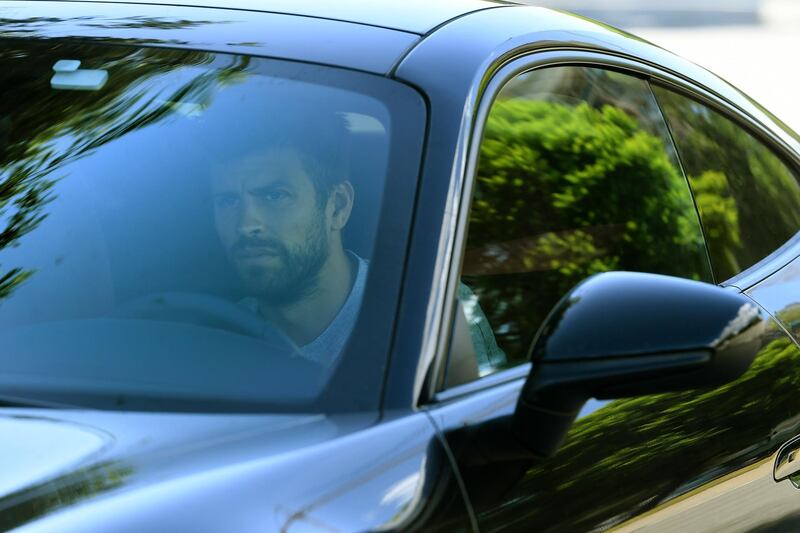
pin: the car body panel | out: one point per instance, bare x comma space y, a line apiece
415, 16
30, 457
214, 30
279, 471
767, 267
701, 473
780, 295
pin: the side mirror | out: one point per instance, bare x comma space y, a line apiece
622, 334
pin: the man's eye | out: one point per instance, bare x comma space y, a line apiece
276, 196
226, 202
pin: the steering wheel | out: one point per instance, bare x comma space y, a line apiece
204, 310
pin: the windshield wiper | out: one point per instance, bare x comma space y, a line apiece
18, 401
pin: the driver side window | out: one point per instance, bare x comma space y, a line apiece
576, 175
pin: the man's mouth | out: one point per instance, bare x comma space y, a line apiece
252, 252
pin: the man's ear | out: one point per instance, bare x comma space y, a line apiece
340, 203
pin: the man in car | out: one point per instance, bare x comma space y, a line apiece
279, 212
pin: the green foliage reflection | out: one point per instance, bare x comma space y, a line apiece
42, 130
37, 500
564, 192
755, 203
635, 453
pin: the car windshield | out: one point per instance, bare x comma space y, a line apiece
182, 230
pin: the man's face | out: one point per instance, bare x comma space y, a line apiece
271, 225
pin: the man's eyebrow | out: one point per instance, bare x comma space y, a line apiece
271, 186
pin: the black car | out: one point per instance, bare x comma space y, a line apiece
350, 266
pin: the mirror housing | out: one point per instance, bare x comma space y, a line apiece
622, 334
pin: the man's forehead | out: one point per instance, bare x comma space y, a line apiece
271, 167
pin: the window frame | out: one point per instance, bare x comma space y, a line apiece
494, 80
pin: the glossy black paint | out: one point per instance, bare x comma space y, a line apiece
632, 314
174, 472
778, 293
413, 16
625, 458
215, 30
622, 334
768, 266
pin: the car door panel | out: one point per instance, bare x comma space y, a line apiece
779, 294
700, 460
191, 472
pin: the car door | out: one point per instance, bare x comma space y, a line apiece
577, 173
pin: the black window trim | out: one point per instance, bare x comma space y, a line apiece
515, 373
495, 78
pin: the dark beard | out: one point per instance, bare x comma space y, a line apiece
297, 277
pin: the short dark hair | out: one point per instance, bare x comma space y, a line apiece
320, 140
323, 146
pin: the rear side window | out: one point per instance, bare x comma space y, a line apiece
576, 175
749, 200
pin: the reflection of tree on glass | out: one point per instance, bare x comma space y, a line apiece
566, 191
44, 129
735, 179
33, 26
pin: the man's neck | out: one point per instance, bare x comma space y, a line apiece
305, 320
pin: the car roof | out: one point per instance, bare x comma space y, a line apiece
413, 16
265, 34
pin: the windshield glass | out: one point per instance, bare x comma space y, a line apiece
187, 230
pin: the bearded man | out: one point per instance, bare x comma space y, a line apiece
279, 214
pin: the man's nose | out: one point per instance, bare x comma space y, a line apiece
250, 222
